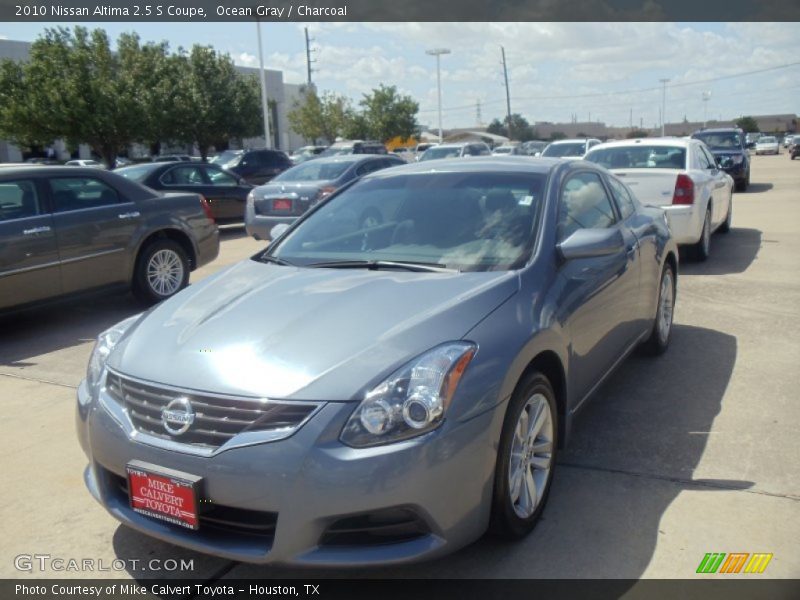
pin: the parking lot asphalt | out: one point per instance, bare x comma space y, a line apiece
692, 452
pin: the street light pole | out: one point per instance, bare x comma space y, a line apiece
437, 52
264, 102
663, 103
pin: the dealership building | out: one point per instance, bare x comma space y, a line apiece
284, 95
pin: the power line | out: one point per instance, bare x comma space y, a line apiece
630, 91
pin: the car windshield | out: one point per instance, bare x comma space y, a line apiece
639, 157
137, 173
502, 150
466, 221
314, 170
226, 158
729, 140
337, 151
767, 140
441, 152
566, 149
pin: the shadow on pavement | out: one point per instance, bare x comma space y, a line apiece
633, 450
757, 188
731, 252
46, 329
232, 232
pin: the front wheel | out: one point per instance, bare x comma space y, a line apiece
162, 270
658, 342
726, 225
525, 458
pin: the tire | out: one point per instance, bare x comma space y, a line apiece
743, 184
162, 270
702, 249
726, 225
512, 516
658, 341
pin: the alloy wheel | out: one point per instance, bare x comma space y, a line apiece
531, 456
165, 272
665, 306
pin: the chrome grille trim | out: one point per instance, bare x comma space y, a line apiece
222, 421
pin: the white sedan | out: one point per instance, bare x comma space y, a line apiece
678, 175
84, 163
767, 144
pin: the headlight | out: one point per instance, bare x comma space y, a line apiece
102, 348
411, 401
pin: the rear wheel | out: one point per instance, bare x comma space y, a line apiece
702, 249
162, 270
525, 458
658, 342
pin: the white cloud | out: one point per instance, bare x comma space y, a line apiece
247, 60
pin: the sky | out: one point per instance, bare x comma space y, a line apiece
605, 72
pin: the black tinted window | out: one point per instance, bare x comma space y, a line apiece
18, 199
584, 205
75, 193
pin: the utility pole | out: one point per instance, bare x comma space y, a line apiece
706, 98
630, 119
437, 52
508, 92
308, 57
479, 120
664, 83
264, 99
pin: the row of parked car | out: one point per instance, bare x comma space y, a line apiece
123, 213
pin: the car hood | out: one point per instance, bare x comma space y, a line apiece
306, 334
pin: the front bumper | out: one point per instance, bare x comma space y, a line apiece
685, 222
738, 172
310, 481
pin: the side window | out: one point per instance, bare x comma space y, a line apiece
706, 162
623, 198
183, 176
18, 200
220, 177
76, 193
584, 204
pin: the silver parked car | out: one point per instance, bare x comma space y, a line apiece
383, 393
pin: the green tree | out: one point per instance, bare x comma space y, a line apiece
747, 124
386, 114
19, 121
214, 103
496, 127
557, 135
322, 117
520, 129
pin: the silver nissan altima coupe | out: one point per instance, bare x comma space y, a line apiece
380, 390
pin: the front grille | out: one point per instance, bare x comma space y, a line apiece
216, 418
227, 519
387, 526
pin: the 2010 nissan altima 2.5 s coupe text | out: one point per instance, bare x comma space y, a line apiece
383, 390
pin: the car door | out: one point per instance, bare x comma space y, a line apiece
224, 192
596, 291
29, 263
94, 226
719, 186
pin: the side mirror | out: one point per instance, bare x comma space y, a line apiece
588, 243
278, 231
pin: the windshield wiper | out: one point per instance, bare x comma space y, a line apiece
374, 265
275, 260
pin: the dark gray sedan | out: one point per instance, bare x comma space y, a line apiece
364, 393
65, 230
294, 191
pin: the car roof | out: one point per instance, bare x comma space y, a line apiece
477, 164
664, 141
719, 130
572, 140
345, 158
56, 170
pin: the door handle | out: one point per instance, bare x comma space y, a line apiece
35, 230
129, 215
